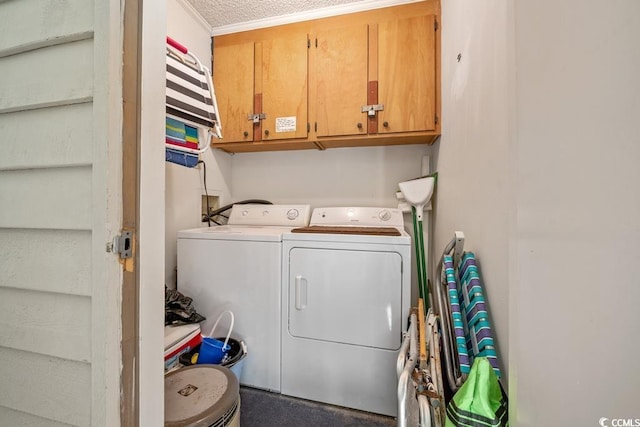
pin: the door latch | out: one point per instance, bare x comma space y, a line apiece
122, 245
255, 118
371, 109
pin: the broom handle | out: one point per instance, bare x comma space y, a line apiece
417, 249
423, 334
418, 233
423, 261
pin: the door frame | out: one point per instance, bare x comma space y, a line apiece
130, 388
143, 186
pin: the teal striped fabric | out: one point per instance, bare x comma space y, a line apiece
457, 316
474, 337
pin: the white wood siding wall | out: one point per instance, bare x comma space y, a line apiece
54, 120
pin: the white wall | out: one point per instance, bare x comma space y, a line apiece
537, 165
335, 177
184, 186
472, 157
574, 313
152, 201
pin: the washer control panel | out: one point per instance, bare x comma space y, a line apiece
358, 216
270, 215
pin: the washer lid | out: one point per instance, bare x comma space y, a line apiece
199, 395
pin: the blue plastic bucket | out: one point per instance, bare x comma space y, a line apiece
212, 351
234, 358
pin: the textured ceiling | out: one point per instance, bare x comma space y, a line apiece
220, 13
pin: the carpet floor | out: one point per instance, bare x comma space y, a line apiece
259, 408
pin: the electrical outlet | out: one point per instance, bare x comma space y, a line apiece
209, 204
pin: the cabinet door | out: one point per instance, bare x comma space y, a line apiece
341, 81
406, 75
233, 80
282, 86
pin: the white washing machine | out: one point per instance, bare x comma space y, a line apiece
345, 302
237, 267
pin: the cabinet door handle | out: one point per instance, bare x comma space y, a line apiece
301, 292
359, 125
246, 134
266, 132
385, 124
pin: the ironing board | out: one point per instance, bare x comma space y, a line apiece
191, 107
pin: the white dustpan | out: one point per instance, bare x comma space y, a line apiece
417, 192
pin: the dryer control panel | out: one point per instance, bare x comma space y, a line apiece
358, 216
270, 215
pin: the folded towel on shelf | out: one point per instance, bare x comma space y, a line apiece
180, 134
191, 135
175, 129
181, 158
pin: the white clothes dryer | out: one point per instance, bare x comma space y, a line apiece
346, 296
237, 267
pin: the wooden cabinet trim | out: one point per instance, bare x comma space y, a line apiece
372, 99
257, 109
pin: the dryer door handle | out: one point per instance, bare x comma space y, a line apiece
301, 292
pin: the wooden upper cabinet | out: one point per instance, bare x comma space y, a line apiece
388, 65
233, 80
340, 80
407, 74
267, 79
361, 79
282, 84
